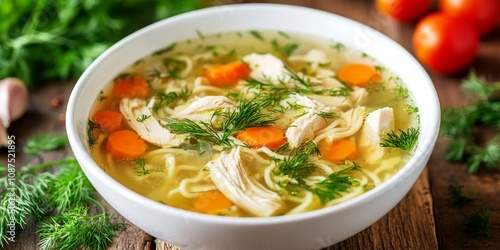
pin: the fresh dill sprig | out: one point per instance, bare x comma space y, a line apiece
71, 187
141, 167
489, 155
142, 118
44, 142
90, 133
458, 123
247, 114
75, 229
297, 165
406, 140
285, 49
335, 183
294, 169
458, 196
478, 89
479, 221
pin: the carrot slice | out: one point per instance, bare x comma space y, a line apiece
257, 137
229, 74
339, 150
358, 74
211, 202
131, 86
108, 120
126, 144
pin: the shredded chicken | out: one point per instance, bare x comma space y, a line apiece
267, 67
148, 127
313, 59
231, 178
201, 109
303, 128
377, 124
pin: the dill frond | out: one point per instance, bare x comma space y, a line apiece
335, 183
406, 140
479, 221
141, 170
458, 196
90, 133
75, 229
71, 187
44, 142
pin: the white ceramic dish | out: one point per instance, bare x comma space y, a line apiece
311, 230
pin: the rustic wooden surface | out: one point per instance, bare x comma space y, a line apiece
424, 219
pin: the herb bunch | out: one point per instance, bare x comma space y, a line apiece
458, 125
58, 202
72, 32
294, 169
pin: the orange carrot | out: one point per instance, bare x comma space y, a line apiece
131, 86
339, 150
108, 120
211, 202
257, 137
126, 144
358, 74
229, 74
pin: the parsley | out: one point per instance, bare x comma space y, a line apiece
406, 140
458, 124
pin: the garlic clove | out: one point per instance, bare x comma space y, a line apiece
13, 100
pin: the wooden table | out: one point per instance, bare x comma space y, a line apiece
424, 219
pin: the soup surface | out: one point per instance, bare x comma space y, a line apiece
253, 123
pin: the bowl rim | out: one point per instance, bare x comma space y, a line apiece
89, 166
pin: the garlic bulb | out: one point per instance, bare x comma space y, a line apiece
13, 104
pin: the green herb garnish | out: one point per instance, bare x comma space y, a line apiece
458, 196
457, 124
141, 170
42, 142
479, 221
406, 140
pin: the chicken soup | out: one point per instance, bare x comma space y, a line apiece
253, 124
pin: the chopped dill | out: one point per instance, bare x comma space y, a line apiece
283, 34
338, 47
410, 109
165, 50
142, 118
247, 114
335, 183
326, 115
283, 148
90, 133
141, 170
479, 221
296, 167
257, 35
458, 196
200, 35
286, 49
406, 140
173, 67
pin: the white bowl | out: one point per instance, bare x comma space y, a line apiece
311, 230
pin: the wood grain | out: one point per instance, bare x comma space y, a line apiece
424, 219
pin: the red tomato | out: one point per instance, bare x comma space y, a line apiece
483, 14
444, 43
404, 10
